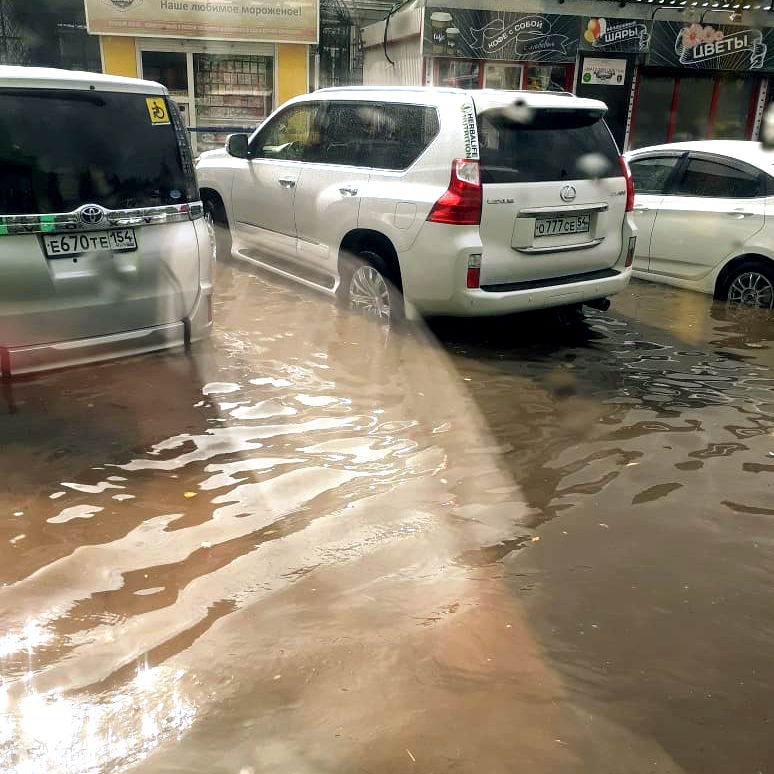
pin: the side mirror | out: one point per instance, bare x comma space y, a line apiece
236, 145
767, 127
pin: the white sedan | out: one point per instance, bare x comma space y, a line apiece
705, 214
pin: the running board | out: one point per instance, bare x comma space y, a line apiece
308, 277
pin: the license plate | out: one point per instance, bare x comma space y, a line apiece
577, 224
58, 245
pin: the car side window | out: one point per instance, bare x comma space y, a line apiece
375, 134
703, 177
650, 174
293, 134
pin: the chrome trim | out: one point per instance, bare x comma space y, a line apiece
560, 248
562, 208
71, 222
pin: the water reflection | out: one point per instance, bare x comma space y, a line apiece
302, 549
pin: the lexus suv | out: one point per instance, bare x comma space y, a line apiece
103, 246
425, 202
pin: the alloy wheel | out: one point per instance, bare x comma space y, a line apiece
368, 293
752, 288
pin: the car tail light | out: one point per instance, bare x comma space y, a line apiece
630, 252
474, 271
627, 173
461, 204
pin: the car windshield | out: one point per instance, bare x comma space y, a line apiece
61, 149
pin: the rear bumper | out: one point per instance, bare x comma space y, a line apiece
434, 275
18, 361
477, 302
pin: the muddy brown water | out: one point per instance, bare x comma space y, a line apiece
500, 546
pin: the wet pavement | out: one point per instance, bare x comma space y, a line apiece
494, 546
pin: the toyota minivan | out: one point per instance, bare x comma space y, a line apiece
430, 201
103, 247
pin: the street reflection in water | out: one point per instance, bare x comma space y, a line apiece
495, 546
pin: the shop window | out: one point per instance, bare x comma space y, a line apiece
694, 106
708, 178
651, 174
732, 108
705, 108
654, 101
503, 76
169, 68
460, 74
546, 78
232, 93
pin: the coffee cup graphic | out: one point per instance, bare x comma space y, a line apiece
439, 21
452, 39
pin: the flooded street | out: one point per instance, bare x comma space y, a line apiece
493, 546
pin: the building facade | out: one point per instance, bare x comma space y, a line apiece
668, 71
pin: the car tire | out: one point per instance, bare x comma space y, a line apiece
751, 284
368, 287
217, 227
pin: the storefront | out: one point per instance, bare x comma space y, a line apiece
227, 64
663, 80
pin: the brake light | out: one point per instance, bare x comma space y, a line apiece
627, 173
461, 203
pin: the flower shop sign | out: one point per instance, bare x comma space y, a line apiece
712, 47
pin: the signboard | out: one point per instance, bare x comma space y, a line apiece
500, 35
294, 21
712, 47
619, 36
603, 72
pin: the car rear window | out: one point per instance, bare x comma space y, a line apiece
522, 146
60, 149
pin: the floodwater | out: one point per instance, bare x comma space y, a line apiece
500, 546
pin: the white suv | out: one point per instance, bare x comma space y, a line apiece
428, 202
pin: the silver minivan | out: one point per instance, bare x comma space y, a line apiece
103, 245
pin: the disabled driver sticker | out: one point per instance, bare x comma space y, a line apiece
157, 109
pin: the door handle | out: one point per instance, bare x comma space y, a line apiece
641, 208
348, 190
287, 182
739, 214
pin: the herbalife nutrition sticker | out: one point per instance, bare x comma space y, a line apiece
157, 109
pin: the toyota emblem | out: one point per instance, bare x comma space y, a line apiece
92, 214
568, 193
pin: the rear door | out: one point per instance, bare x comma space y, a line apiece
651, 175
715, 206
95, 237
554, 196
